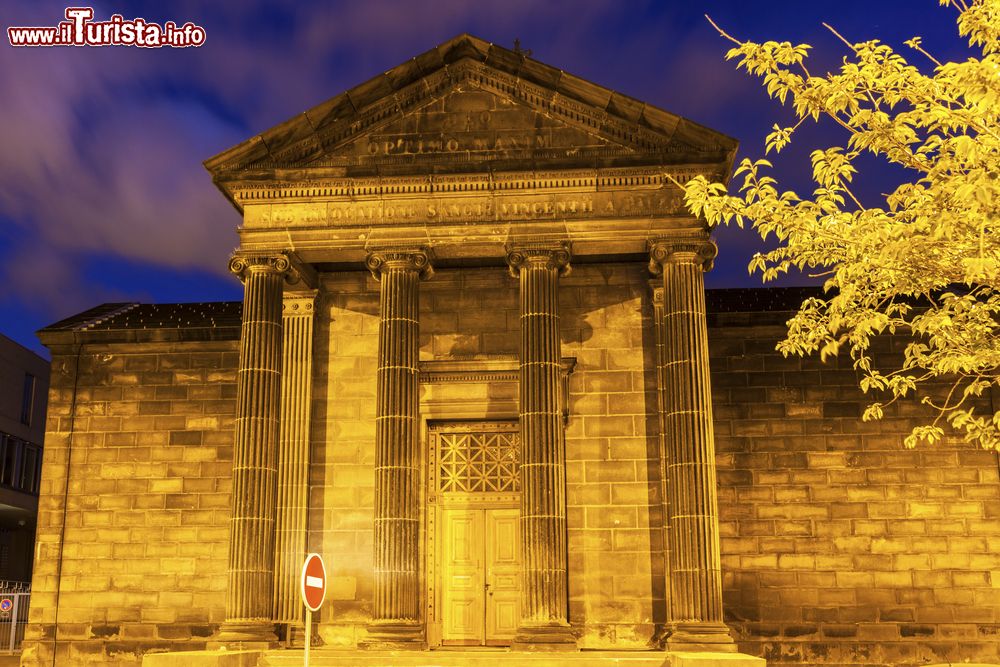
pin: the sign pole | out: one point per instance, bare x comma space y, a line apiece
309, 623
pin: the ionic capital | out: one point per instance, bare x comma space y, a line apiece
700, 252
399, 259
546, 256
245, 262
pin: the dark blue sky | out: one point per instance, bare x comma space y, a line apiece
102, 192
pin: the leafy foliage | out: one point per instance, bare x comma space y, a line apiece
925, 264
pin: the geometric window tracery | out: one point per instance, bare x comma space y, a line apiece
473, 462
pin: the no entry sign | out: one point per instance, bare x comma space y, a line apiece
313, 585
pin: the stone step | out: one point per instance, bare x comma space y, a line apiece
463, 658
504, 658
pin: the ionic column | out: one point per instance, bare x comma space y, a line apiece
396, 610
544, 598
249, 598
695, 575
293, 460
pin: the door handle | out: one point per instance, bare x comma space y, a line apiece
486, 587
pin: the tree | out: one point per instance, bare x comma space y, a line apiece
925, 262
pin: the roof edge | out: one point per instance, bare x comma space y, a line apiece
348, 104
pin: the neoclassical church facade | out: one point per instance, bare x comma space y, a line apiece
476, 368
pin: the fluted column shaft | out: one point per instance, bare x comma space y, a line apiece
396, 609
544, 585
249, 597
293, 457
695, 578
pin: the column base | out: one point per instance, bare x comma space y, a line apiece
295, 635
244, 635
551, 637
702, 637
713, 659
395, 635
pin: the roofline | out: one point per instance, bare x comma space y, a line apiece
25, 348
450, 51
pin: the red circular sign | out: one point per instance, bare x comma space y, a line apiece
313, 583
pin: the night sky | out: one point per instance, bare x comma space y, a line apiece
103, 196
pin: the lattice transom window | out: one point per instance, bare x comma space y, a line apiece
473, 462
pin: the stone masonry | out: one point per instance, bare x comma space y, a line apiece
613, 515
133, 536
840, 546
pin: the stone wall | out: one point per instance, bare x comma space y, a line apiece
614, 518
613, 476
132, 541
342, 477
840, 546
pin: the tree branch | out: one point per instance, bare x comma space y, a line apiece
920, 49
722, 32
839, 36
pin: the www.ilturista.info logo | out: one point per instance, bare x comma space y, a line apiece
80, 30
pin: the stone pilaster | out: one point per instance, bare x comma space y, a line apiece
695, 573
661, 404
544, 601
396, 618
293, 460
249, 599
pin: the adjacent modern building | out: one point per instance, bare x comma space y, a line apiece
476, 368
24, 382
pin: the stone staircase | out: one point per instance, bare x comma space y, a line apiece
464, 658
504, 658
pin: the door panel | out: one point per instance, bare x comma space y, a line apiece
462, 576
502, 575
480, 576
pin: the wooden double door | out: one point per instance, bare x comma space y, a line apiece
479, 575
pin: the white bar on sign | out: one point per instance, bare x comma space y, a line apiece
314, 582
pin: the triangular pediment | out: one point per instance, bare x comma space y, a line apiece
470, 123
470, 106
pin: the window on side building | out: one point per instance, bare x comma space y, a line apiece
29, 469
28, 399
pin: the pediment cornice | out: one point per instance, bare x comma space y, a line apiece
291, 187
319, 149
313, 146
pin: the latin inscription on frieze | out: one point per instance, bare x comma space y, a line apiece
445, 210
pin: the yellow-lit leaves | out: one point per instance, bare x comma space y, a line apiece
778, 139
981, 24
831, 167
889, 268
928, 434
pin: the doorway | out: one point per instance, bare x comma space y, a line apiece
473, 533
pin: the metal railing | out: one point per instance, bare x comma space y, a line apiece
14, 602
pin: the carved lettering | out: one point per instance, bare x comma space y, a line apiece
458, 209
413, 145
544, 209
374, 212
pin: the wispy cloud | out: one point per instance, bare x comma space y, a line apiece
102, 146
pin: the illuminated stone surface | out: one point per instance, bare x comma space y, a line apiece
812, 536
